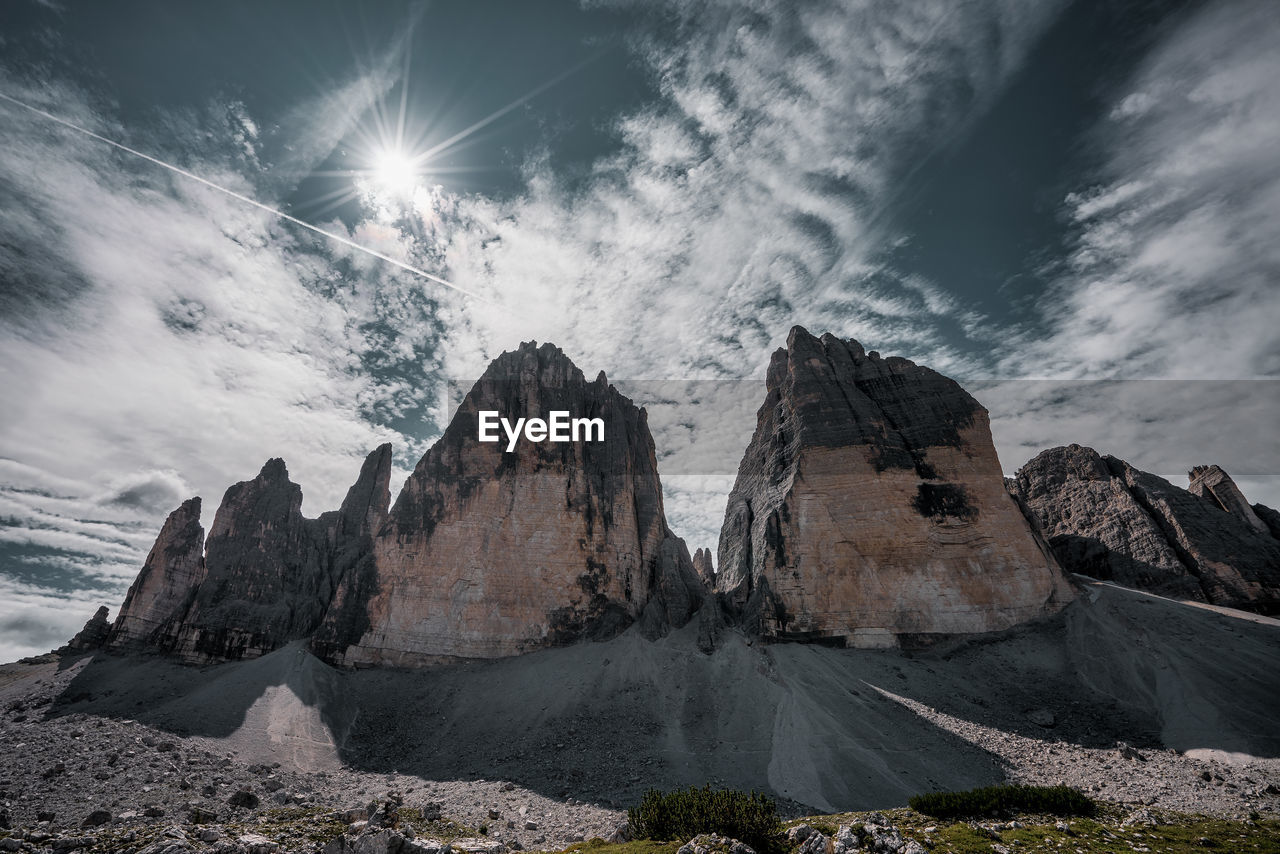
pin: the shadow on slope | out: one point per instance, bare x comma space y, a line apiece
607, 721
1116, 665
1207, 674
818, 726
286, 707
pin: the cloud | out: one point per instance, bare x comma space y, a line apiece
160, 340
1176, 250
311, 130
750, 198
1162, 426
36, 620
157, 491
1171, 271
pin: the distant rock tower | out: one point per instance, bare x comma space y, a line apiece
93, 635
702, 565
1213, 483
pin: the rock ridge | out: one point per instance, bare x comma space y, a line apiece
484, 552
1106, 519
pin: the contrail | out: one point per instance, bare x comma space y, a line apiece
338, 238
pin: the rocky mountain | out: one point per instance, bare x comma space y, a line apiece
486, 552
1214, 484
1106, 519
164, 588
490, 553
265, 575
870, 509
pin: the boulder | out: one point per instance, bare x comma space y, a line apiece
244, 799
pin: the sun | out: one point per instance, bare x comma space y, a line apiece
395, 172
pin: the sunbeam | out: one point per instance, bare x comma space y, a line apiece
337, 238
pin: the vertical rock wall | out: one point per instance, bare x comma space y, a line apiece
870, 509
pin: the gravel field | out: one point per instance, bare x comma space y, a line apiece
552, 747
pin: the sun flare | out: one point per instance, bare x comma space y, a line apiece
395, 172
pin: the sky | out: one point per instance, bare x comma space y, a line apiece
1072, 208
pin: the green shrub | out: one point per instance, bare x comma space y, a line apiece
989, 801
826, 828
750, 818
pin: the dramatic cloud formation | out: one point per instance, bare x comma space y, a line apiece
750, 199
158, 340
1173, 268
161, 340
1177, 254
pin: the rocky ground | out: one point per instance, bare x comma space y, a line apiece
548, 749
62, 772
1213, 783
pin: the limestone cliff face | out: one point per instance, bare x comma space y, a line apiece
265, 576
1107, 519
160, 595
491, 553
1096, 526
485, 553
265, 581
349, 537
870, 509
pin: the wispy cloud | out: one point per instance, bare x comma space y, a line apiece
1172, 269
1177, 242
159, 340
751, 197
36, 619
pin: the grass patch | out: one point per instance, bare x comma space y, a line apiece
444, 829
1104, 833
636, 846
314, 824
824, 827
997, 800
685, 813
